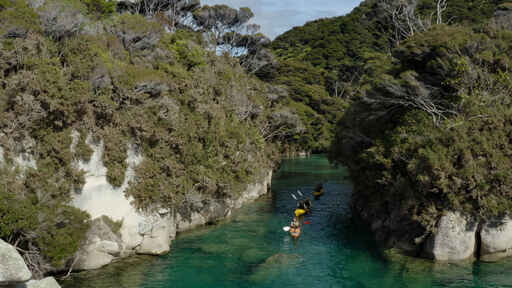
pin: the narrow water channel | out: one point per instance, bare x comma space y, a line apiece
251, 249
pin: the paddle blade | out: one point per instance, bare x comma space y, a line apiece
294, 197
300, 193
307, 222
286, 228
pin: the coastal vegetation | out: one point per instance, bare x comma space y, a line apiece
429, 133
328, 62
420, 114
411, 96
78, 72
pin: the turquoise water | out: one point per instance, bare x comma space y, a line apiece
251, 249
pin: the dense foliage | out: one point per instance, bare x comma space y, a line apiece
343, 53
422, 122
432, 133
67, 68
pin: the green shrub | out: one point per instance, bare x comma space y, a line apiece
100, 8
114, 156
129, 84
18, 15
82, 150
34, 218
189, 53
61, 233
115, 226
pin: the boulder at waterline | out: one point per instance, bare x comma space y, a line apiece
496, 239
454, 239
158, 241
12, 266
92, 259
48, 282
102, 246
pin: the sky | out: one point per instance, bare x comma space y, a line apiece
278, 16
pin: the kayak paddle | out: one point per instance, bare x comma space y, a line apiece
286, 228
307, 222
300, 193
293, 196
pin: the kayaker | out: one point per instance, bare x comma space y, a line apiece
308, 204
319, 191
295, 228
301, 209
295, 223
301, 204
299, 212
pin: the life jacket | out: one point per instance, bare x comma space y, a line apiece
299, 212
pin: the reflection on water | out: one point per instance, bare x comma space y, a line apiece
251, 249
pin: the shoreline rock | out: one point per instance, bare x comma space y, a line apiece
496, 239
12, 266
14, 272
48, 282
142, 233
457, 237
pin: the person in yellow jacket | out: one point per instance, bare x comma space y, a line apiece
299, 212
301, 209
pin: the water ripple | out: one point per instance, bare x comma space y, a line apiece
252, 250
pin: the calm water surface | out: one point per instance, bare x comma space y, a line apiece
252, 250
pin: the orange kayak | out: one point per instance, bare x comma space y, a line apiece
295, 232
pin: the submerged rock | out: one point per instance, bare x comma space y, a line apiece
454, 240
282, 259
215, 248
241, 243
12, 266
254, 255
273, 266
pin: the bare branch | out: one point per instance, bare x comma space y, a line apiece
407, 22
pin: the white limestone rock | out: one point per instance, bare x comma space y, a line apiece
102, 243
254, 191
2, 159
195, 219
92, 259
157, 239
141, 233
108, 247
98, 196
12, 266
496, 239
454, 240
48, 282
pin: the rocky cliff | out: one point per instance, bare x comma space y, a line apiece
455, 237
171, 122
119, 229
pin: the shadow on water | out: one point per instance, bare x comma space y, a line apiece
251, 249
